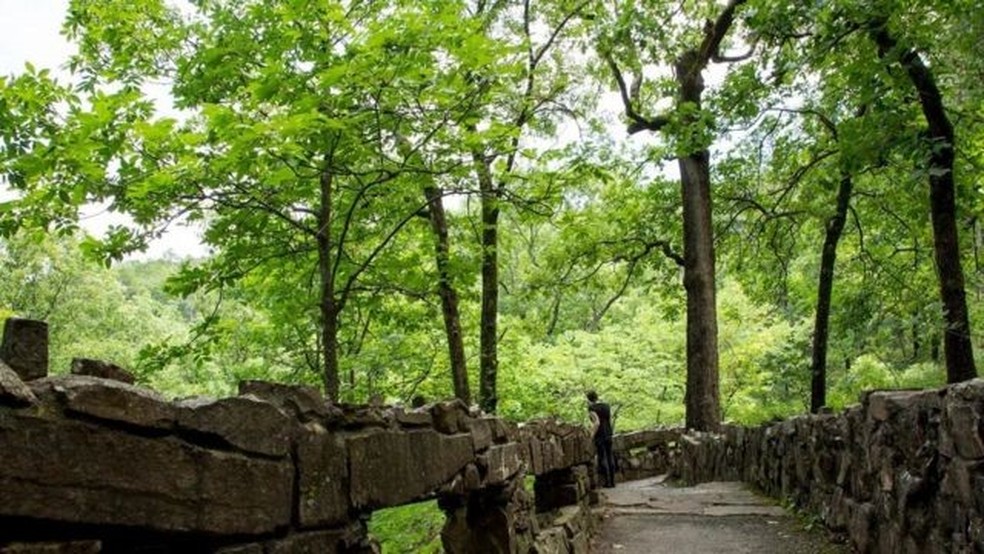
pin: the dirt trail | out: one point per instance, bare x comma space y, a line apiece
652, 517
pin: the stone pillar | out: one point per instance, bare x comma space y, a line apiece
492, 520
25, 347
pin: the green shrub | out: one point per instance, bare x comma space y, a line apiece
411, 529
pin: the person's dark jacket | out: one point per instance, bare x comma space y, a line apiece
604, 413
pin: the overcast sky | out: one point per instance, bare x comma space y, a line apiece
29, 30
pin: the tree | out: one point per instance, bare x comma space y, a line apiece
957, 346
449, 296
90, 312
838, 40
311, 124
529, 86
692, 124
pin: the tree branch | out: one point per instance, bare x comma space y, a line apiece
637, 122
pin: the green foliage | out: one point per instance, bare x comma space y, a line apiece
309, 130
411, 529
91, 313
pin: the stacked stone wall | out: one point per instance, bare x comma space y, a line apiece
94, 464
647, 453
901, 472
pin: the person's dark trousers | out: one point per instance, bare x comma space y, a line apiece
606, 462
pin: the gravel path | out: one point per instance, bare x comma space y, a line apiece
652, 517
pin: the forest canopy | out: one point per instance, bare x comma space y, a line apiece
707, 211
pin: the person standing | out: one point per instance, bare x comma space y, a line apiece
601, 423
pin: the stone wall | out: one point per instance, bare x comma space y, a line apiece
901, 472
642, 454
93, 464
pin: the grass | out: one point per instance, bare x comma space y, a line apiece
410, 529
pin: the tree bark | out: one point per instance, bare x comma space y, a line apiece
702, 399
821, 326
449, 297
328, 306
488, 357
957, 347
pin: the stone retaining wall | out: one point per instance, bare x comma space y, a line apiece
648, 453
91, 464
901, 472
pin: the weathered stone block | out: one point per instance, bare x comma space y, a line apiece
503, 431
650, 438
322, 469
392, 468
552, 541
552, 455
965, 429
73, 547
472, 477
972, 390
75, 472
252, 548
315, 542
580, 543
577, 448
413, 418
882, 405
13, 391
25, 347
99, 368
110, 400
244, 422
302, 402
572, 520
481, 432
860, 525
535, 460
359, 417
960, 483
504, 461
450, 417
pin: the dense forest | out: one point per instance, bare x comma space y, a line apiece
706, 211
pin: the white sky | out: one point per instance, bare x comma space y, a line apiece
30, 30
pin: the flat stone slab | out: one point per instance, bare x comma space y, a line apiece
710, 499
651, 516
689, 534
13, 391
76, 473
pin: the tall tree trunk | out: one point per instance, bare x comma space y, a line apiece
702, 398
488, 358
957, 346
703, 405
327, 305
449, 298
821, 327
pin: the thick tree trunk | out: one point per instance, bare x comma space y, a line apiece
488, 358
821, 327
702, 397
449, 297
957, 346
327, 304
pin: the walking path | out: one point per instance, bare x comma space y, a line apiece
653, 517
